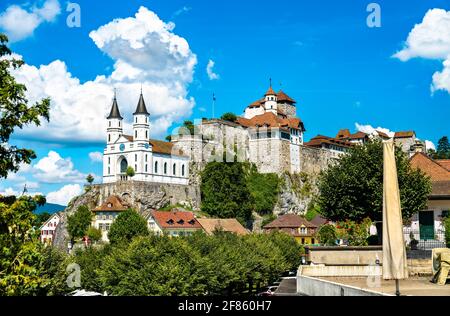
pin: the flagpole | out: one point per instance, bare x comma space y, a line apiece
213, 105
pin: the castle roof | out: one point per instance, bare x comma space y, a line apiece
270, 120
176, 220
141, 108
321, 139
435, 170
115, 113
283, 97
270, 91
404, 134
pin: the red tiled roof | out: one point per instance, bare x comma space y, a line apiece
319, 220
228, 225
444, 163
271, 120
321, 139
431, 167
256, 104
382, 134
160, 147
405, 134
343, 133
283, 97
358, 135
270, 92
112, 204
176, 220
290, 221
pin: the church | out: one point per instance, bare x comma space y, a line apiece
152, 160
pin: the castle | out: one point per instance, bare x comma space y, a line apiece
151, 160
269, 134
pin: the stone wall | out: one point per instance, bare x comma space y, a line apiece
315, 160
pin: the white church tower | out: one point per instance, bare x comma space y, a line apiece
141, 125
270, 100
114, 121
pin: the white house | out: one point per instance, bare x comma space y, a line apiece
48, 229
152, 160
107, 213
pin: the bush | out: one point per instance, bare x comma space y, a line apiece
231, 117
356, 233
94, 234
79, 222
127, 225
447, 231
327, 235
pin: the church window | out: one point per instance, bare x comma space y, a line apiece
135, 168
109, 160
109, 138
182, 170
135, 157
135, 120
146, 156
156, 167
165, 168
120, 124
146, 134
135, 134
174, 169
109, 123
146, 168
109, 170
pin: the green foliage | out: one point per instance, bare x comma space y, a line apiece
94, 234
188, 128
79, 223
268, 218
231, 117
356, 234
447, 231
15, 112
443, 149
90, 179
224, 191
312, 211
353, 188
264, 189
21, 256
327, 235
169, 138
128, 225
130, 172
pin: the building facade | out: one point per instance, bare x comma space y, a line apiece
48, 229
298, 227
106, 214
151, 160
172, 223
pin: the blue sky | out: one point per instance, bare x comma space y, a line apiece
322, 53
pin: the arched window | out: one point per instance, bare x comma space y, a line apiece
120, 124
146, 134
135, 157
109, 138
146, 168
156, 167
174, 169
182, 170
109, 123
135, 134
165, 168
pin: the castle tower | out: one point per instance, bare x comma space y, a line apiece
114, 121
141, 125
270, 100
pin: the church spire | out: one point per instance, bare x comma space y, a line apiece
115, 113
141, 108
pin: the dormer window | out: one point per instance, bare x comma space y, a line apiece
170, 222
181, 222
109, 205
192, 222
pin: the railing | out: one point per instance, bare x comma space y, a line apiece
425, 241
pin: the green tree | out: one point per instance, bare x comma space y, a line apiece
443, 149
231, 117
40, 219
94, 234
264, 189
327, 235
187, 128
90, 179
447, 231
224, 191
21, 256
15, 112
79, 223
353, 188
128, 225
130, 172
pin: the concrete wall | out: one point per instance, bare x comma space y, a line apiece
316, 287
345, 255
341, 271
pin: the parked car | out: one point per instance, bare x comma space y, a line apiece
268, 291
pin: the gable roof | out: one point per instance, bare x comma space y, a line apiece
318, 140
272, 121
283, 97
174, 219
444, 163
343, 133
229, 225
49, 220
160, 147
290, 221
112, 204
432, 168
319, 220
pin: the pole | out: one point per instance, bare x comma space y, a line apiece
397, 287
213, 104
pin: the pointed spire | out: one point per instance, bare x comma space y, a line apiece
141, 108
270, 90
115, 113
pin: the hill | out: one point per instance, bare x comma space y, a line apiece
50, 208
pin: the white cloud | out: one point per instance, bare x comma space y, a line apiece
370, 130
96, 156
210, 71
55, 169
64, 195
430, 145
181, 11
431, 39
145, 51
20, 23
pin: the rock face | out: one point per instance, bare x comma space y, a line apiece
141, 196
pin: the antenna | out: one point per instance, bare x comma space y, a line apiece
270, 82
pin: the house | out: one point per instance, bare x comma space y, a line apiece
173, 223
336, 145
210, 225
427, 225
319, 220
48, 229
106, 213
152, 160
296, 226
